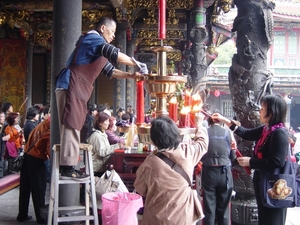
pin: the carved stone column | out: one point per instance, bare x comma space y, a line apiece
49, 92
198, 63
120, 84
66, 31
198, 35
249, 80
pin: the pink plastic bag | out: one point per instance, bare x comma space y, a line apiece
11, 149
119, 208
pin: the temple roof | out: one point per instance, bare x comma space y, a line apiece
287, 10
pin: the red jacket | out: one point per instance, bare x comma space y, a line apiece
14, 135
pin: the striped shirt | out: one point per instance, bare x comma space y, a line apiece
92, 46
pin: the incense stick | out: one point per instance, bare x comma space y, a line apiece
23, 103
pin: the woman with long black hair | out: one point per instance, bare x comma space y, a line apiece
270, 151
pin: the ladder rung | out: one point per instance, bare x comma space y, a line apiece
57, 213
74, 218
75, 207
73, 181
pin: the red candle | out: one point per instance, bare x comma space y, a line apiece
187, 98
162, 19
153, 114
196, 100
173, 108
184, 121
140, 102
192, 118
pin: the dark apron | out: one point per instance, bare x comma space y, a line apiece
79, 92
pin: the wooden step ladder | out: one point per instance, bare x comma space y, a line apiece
53, 211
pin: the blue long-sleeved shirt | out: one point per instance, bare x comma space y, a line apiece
91, 48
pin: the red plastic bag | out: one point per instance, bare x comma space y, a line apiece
198, 168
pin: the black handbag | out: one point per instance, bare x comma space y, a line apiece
18, 163
278, 187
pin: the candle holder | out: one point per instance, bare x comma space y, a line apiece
160, 86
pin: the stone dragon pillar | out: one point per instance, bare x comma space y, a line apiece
195, 53
249, 80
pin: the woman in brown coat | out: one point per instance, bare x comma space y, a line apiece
169, 198
33, 172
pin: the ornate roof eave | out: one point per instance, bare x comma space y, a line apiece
46, 5
287, 18
130, 10
36, 22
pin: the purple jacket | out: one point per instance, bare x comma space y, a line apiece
113, 138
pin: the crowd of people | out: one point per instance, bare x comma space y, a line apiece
101, 131
32, 140
213, 145
169, 196
14, 134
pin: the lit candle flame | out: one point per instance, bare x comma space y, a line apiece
188, 92
173, 100
197, 108
185, 110
196, 97
196, 102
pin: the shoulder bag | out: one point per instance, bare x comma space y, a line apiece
278, 186
175, 167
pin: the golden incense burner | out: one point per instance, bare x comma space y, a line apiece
161, 85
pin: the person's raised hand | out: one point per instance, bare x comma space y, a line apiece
199, 119
137, 75
218, 117
244, 161
142, 66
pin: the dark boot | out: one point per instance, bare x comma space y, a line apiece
69, 173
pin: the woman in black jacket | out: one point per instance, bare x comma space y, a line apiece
270, 150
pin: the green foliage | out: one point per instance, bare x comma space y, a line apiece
226, 52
